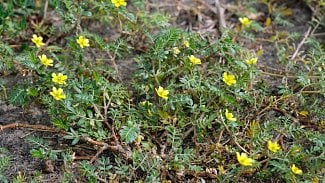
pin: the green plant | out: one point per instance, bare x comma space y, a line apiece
41, 149
4, 163
194, 107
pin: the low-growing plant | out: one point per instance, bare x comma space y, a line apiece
194, 107
4, 164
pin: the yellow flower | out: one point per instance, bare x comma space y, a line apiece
83, 42
186, 44
268, 22
303, 113
251, 61
221, 169
194, 60
229, 79
176, 51
138, 139
245, 21
59, 78
244, 160
162, 92
273, 146
38, 40
296, 170
46, 61
229, 116
118, 3
57, 93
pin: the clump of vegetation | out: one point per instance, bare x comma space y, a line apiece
194, 108
4, 163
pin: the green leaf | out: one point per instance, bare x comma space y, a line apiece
303, 80
4, 162
37, 141
18, 96
278, 167
75, 141
196, 168
60, 123
241, 64
3, 179
87, 13
89, 113
31, 91
129, 133
130, 16
29, 61
38, 153
54, 48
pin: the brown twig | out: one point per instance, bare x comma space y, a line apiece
301, 43
206, 5
220, 136
306, 123
34, 127
100, 151
221, 15
46, 5
82, 157
117, 148
113, 59
188, 132
232, 136
282, 76
319, 34
311, 92
201, 174
271, 104
102, 180
309, 32
105, 108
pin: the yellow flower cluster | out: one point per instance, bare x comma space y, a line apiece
273, 146
161, 92
59, 78
118, 3
303, 113
251, 61
194, 60
83, 42
56, 93
45, 61
138, 139
244, 160
229, 116
245, 22
296, 170
38, 40
229, 79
